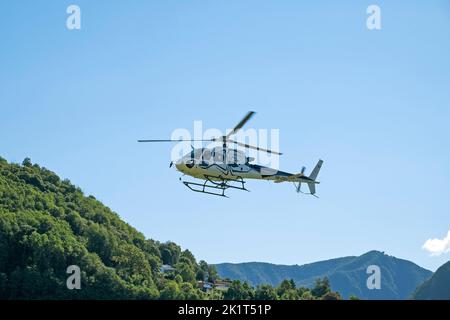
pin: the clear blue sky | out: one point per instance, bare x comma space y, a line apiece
373, 104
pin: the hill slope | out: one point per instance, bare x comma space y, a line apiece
47, 224
437, 287
347, 275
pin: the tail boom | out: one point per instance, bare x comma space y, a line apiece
311, 180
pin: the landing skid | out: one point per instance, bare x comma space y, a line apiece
212, 184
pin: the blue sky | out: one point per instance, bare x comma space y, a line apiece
373, 104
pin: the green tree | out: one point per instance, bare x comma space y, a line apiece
321, 287
306, 295
178, 278
200, 275
170, 253
166, 256
239, 291
265, 292
188, 257
331, 296
285, 286
212, 273
27, 162
171, 291
290, 294
214, 294
186, 272
189, 292
203, 266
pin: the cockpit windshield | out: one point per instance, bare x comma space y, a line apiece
216, 155
207, 155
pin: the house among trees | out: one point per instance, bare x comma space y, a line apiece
205, 285
222, 285
218, 284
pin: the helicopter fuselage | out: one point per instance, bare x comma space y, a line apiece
218, 164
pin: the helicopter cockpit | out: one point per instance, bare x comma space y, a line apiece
218, 155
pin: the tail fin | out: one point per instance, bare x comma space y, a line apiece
313, 176
316, 170
312, 188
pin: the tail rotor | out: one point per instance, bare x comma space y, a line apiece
309, 180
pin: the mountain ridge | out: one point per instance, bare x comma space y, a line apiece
348, 275
437, 287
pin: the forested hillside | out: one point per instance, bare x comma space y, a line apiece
47, 224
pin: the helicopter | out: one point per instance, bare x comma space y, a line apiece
223, 168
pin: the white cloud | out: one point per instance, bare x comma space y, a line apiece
437, 246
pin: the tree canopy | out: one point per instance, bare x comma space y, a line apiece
48, 224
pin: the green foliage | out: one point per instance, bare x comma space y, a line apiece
214, 295
170, 253
47, 224
286, 286
174, 290
212, 273
239, 291
188, 292
306, 295
171, 291
290, 294
287, 290
187, 272
27, 162
265, 292
321, 287
331, 296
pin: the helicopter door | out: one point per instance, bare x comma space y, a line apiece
206, 157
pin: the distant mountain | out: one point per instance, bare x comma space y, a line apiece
347, 275
437, 287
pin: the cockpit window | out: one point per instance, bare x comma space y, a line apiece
207, 155
196, 154
218, 156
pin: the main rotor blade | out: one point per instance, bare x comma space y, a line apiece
174, 140
254, 148
242, 123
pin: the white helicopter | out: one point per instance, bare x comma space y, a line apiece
223, 168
